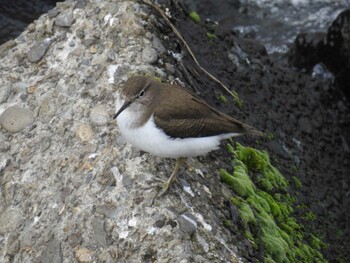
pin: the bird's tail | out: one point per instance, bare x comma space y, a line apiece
252, 131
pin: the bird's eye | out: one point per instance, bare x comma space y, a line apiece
142, 93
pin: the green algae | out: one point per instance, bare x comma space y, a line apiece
211, 35
195, 17
223, 99
266, 206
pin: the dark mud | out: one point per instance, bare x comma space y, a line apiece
308, 117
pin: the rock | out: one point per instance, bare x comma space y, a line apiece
99, 232
16, 118
84, 132
47, 109
99, 115
52, 252
53, 12
187, 223
4, 162
12, 244
4, 93
65, 19
157, 44
9, 220
170, 68
38, 50
149, 55
84, 255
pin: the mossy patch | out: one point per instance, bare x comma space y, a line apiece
223, 99
195, 17
266, 207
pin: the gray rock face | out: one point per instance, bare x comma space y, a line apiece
70, 190
65, 19
39, 49
15, 118
149, 55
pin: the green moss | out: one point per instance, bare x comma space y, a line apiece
223, 99
227, 223
266, 206
239, 181
270, 136
310, 216
211, 35
237, 100
195, 17
296, 182
259, 162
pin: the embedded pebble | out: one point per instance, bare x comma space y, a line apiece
16, 118
37, 52
4, 93
187, 223
53, 13
157, 44
47, 109
99, 115
84, 132
149, 55
4, 161
65, 19
84, 255
9, 220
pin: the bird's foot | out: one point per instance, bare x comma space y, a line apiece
165, 184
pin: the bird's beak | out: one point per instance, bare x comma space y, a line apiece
125, 105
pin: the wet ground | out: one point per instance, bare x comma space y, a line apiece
308, 117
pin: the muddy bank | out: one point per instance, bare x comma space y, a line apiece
308, 117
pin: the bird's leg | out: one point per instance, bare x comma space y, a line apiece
166, 185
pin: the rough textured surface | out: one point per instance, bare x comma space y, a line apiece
71, 190
78, 193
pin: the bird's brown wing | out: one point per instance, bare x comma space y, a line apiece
192, 117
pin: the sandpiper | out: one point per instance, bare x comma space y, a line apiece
168, 121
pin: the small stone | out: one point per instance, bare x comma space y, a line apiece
52, 252
37, 51
110, 55
47, 109
170, 68
157, 44
65, 19
53, 13
149, 55
187, 223
84, 255
15, 118
93, 49
31, 89
4, 161
99, 232
99, 115
84, 132
12, 246
9, 220
45, 144
4, 93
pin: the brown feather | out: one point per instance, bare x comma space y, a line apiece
183, 114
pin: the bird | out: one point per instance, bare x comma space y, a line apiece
169, 121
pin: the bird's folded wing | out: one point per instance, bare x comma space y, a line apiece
194, 118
